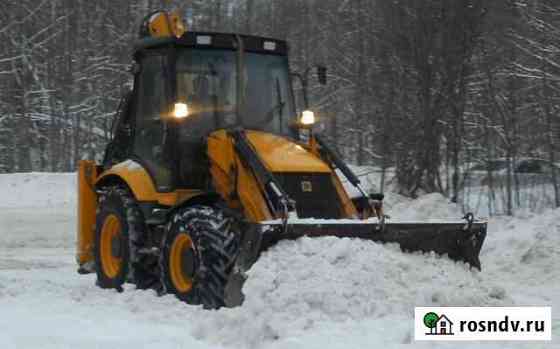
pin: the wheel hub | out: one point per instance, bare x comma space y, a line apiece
116, 246
187, 263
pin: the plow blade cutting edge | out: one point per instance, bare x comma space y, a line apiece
460, 241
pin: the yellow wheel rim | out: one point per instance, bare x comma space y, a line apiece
181, 281
110, 232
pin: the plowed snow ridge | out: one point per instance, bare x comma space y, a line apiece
309, 293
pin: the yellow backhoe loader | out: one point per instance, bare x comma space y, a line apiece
209, 164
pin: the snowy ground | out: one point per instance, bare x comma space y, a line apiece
309, 293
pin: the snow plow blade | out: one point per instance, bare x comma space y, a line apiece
460, 241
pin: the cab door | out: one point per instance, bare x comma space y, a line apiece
150, 146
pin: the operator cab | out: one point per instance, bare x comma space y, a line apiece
190, 84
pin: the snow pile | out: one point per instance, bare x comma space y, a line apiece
37, 190
305, 285
427, 208
526, 247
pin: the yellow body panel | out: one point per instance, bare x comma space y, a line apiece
235, 183
280, 155
250, 195
347, 204
142, 186
87, 202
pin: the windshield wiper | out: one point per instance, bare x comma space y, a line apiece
278, 107
280, 103
240, 77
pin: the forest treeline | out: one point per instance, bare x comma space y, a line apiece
425, 88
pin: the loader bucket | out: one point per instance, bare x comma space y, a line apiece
460, 241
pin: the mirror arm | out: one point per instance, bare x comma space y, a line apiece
303, 80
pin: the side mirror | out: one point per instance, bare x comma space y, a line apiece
134, 68
322, 74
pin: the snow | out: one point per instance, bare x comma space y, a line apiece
37, 190
308, 293
129, 164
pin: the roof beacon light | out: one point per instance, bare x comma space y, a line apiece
177, 25
163, 24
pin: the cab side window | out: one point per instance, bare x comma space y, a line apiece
119, 147
151, 104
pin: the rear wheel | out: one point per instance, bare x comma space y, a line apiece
198, 255
111, 241
120, 241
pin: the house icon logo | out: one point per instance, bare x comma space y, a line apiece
438, 324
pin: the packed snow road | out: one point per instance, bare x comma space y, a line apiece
309, 293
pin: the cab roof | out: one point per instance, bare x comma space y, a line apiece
213, 40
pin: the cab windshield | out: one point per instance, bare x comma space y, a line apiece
207, 83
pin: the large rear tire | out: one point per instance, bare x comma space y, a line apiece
111, 250
198, 255
120, 238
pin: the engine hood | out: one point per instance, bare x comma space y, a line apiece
279, 154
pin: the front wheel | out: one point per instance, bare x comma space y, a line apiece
198, 255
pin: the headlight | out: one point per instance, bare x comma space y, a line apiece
307, 117
181, 110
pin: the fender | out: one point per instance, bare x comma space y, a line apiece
137, 178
